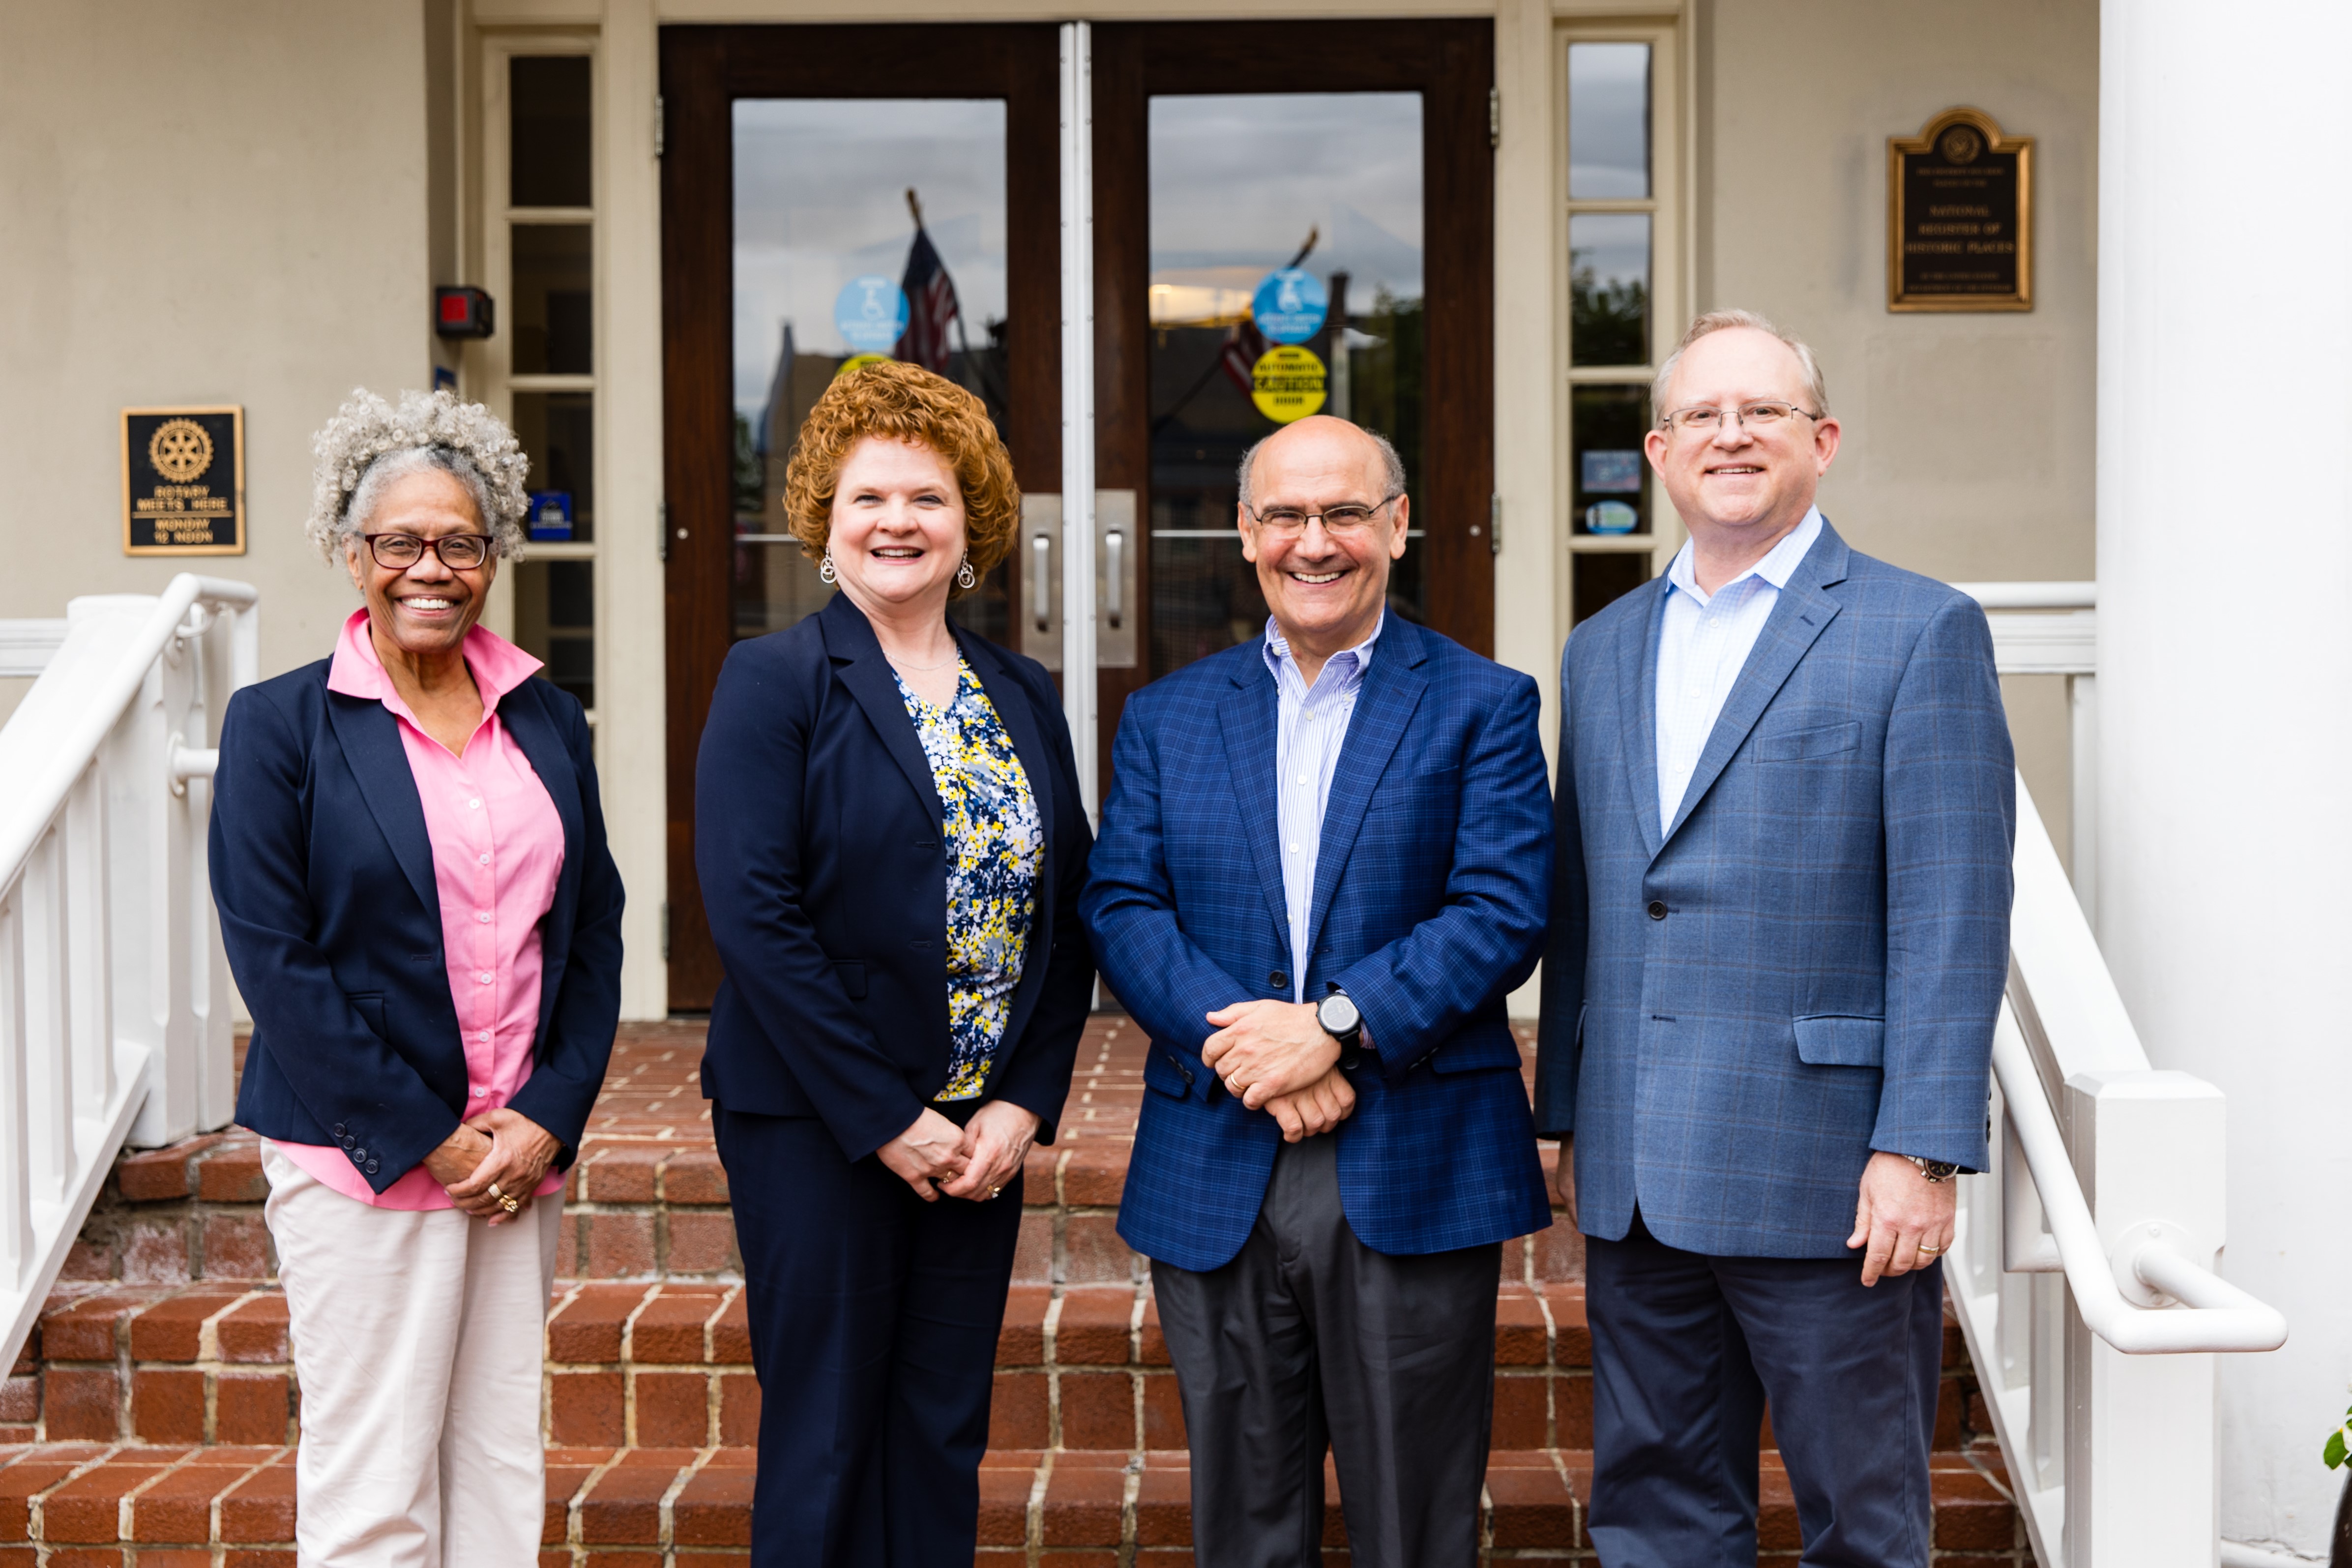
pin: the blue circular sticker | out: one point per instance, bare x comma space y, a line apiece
1290, 305
871, 312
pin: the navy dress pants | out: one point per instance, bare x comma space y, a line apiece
874, 1318
1685, 1351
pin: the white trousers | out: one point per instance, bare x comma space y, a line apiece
418, 1342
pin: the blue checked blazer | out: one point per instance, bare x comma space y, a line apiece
1805, 965
1428, 908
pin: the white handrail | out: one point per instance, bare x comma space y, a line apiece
2221, 1317
2032, 595
31, 812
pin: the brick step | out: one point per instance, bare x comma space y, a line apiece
669, 1365
680, 1508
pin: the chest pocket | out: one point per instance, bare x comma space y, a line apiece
1805, 745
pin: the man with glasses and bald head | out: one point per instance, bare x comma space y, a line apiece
1322, 869
1779, 934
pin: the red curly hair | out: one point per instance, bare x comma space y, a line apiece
902, 401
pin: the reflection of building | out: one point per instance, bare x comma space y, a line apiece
525, 146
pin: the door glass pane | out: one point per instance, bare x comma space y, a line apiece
558, 432
1608, 472
555, 622
1243, 184
552, 298
1609, 288
547, 126
1608, 122
830, 263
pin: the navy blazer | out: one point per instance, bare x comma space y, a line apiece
1806, 964
1429, 901
819, 840
323, 875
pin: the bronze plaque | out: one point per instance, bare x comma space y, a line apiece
1959, 217
184, 482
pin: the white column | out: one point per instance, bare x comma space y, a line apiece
2225, 689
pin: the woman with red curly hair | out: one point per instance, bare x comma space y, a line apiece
891, 845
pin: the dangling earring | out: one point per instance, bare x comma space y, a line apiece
825, 571
966, 578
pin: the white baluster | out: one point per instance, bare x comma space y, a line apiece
15, 1167
49, 1024
90, 948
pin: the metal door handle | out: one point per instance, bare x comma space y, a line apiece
1041, 581
1115, 542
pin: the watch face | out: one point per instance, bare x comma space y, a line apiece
1338, 1015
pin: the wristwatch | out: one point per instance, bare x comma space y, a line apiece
1935, 1171
1340, 1020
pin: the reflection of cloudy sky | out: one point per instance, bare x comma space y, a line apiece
820, 198
1615, 246
1608, 121
1237, 180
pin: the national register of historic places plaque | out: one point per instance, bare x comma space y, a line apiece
1959, 217
184, 482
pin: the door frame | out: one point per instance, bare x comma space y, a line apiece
704, 70
1451, 63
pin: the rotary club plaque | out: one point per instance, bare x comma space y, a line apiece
184, 482
1959, 217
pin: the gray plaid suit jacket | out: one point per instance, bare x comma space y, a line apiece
1740, 1005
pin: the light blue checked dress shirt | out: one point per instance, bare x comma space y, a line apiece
1703, 644
1311, 727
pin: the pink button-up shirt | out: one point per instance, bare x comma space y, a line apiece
498, 846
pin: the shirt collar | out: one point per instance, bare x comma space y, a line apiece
497, 665
1779, 563
1277, 651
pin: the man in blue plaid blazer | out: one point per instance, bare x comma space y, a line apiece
1322, 868
1780, 937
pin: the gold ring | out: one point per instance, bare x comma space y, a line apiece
993, 1191
1931, 1250
507, 1203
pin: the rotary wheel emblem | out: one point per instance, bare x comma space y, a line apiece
180, 449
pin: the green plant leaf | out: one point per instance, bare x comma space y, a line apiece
2333, 1452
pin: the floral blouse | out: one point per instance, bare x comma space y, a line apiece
995, 845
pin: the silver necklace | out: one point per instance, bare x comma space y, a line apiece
925, 668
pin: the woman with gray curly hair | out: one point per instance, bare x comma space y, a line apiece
409, 859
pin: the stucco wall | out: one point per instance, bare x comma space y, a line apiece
201, 201
1968, 446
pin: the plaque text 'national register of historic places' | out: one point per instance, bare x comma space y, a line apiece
1959, 217
184, 482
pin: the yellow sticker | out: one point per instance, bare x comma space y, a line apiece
1288, 382
859, 362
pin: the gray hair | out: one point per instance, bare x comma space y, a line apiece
1391, 466
1712, 322
370, 444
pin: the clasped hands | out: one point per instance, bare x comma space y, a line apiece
1277, 1057
977, 1161
500, 1148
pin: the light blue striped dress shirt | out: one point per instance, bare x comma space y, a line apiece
1312, 726
1703, 644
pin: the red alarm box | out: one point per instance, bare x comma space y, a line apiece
463, 312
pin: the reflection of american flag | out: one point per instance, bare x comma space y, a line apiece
1242, 352
931, 306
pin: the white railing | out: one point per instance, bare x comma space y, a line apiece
2083, 1268
114, 998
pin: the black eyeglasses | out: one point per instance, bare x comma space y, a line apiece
1343, 520
399, 552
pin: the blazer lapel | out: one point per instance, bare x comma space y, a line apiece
1384, 707
1802, 613
523, 711
1246, 714
1637, 720
370, 737
848, 636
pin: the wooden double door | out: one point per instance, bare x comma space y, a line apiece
1314, 199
